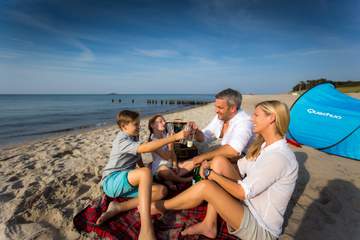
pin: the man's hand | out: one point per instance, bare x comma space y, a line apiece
193, 127
182, 135
204, 165
198, 160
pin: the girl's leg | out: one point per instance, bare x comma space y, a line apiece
157, 192
167, 174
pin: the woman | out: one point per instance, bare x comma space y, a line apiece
165, 166
253, 196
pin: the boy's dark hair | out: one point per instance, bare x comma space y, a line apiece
232, 97
125, 117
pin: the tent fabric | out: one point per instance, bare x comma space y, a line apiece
328, 120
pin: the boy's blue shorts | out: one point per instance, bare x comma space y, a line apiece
117, 185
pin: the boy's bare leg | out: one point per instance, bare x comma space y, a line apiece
158, 192
143, 179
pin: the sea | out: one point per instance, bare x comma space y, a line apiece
31, 116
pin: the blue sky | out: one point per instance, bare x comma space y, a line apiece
197, 46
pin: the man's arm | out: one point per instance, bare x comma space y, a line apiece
224, 150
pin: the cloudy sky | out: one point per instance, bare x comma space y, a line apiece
195, 46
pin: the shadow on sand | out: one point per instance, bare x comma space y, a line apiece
334, 215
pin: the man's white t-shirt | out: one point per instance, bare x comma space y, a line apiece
238, 134
269, 183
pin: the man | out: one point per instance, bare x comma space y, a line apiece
232, 125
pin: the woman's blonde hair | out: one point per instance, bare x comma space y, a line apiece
282, 119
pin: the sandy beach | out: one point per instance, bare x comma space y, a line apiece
45, 183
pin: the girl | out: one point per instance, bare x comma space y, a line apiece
164, 159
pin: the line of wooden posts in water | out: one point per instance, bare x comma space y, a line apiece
170, 102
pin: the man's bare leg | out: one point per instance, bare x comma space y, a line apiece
167, 174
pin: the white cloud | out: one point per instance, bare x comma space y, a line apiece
157, 53
86, 55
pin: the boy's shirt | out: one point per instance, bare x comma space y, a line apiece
123, 154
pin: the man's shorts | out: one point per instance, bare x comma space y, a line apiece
117, 185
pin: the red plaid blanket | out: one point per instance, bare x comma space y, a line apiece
127, 225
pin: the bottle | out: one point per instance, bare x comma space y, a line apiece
196, 175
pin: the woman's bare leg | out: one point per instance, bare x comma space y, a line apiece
157, 192
229, 208
208, 226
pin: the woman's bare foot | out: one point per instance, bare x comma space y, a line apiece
114, 208
202, 228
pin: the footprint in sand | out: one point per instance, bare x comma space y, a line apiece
5, 197
83, 189
17, 185
12, 179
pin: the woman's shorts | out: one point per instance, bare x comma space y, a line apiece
117, 185
250, 229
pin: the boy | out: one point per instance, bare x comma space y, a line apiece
121, 179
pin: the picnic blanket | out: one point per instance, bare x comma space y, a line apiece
126, 225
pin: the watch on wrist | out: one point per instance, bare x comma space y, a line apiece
207, 172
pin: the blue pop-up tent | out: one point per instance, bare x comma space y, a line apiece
328, 120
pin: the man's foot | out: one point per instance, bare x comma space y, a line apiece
209, 231
113, 209
170, 185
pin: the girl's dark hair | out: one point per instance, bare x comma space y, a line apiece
151, 122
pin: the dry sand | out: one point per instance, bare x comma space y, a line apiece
44, 183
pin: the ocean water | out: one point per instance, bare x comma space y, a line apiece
27, 117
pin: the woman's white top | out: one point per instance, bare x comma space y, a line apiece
158, 161
269, 183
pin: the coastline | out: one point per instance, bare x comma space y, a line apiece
46, 182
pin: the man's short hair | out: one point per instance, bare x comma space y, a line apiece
125, 117
232, 97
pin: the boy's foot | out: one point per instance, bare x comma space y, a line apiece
201, 228
148, 235
114, 208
